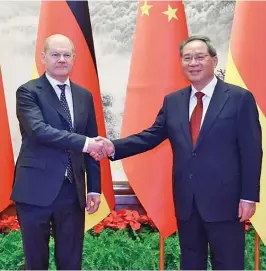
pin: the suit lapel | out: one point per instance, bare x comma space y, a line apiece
218, 101
184, 108
77, 104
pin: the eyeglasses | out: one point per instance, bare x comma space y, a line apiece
197, 58
57, 56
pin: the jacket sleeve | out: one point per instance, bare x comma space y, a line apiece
250, 147
145, 140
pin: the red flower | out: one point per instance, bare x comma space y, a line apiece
120, 226
8, 223
98, 228
144, 219
135, 225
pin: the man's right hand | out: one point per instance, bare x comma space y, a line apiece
95, 146
106, 148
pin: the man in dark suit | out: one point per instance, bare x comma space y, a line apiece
215, 134
58, 126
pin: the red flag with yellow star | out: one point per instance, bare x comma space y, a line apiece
7, 164
246, 68
155, 72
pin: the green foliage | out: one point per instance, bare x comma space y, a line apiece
171, 253
114, 250
11, 255
121, 250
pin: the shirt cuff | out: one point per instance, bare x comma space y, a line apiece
112, 156
250, 201
93, 193
86, 145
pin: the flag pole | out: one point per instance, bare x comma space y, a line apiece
161, 252
257, 252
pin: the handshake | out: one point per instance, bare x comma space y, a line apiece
100, 147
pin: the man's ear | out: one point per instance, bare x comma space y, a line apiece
43, 57
215, 61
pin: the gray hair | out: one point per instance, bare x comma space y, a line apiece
205, 39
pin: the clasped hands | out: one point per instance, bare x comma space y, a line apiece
100, 147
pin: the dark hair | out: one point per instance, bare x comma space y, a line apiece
206, 40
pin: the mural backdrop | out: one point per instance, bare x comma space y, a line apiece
113, 24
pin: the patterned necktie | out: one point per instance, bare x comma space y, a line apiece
63, 101
195, 120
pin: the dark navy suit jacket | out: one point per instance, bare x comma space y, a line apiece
225, 164
43, 156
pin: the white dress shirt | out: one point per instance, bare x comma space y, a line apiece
69, 99
68, 92
208, 91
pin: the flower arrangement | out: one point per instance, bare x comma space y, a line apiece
115, 220
118, 220
121, 219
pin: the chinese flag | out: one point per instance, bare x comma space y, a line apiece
72, 19
246, 68
155, 72
7, 164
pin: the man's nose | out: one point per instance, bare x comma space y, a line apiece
193, 62
61, 58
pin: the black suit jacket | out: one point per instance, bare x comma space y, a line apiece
43, 156
225, 164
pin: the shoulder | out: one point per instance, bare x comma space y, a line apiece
237, 92
31, 84
178, 93
81, 90
31, 88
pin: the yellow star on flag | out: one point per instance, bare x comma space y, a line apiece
145, 9
171, 13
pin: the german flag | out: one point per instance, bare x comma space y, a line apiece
72, 19
246, 68
155, 72
7, 164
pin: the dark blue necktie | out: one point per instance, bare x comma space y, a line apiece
63, 101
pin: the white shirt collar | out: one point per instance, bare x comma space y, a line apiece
207, 90
54, 82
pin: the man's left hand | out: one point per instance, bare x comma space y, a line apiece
246, 210
93, 203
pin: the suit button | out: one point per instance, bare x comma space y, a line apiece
194, 154
191, 176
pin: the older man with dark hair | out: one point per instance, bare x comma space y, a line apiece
215, 134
